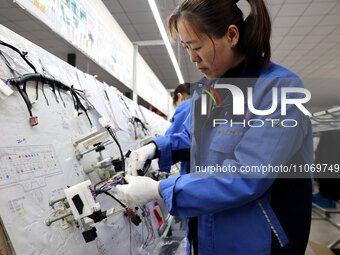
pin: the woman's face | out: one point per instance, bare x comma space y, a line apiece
210, 60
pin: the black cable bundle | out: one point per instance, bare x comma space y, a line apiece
119, 147
75, 93
54, 84
22, 54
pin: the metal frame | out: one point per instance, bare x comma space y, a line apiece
325, 214
326, 120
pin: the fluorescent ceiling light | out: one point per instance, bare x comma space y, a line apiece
166, 40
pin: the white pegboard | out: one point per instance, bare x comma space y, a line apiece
38, 163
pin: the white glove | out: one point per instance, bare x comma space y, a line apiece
139, 191
139, 157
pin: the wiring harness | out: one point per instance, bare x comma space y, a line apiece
21, 83
115, 180
134, 120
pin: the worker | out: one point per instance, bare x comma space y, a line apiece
180, 100
182, 104
235, 213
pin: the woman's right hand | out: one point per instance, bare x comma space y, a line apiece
139, 157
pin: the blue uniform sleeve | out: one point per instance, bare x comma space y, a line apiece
200, 193
179, 117
173, 142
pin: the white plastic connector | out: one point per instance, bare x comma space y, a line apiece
5, 90
79, 139
89, 168
81, 200
95, 139
104, 122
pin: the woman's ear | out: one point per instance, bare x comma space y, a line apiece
180, 97
233, 35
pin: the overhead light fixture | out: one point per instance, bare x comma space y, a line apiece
165, 38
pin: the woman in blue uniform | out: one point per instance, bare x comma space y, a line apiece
233, 212
181, 102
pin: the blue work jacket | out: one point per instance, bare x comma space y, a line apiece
181, 114
243, 216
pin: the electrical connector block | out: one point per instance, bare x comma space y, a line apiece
95, 139
81, 200
34, 121
79, 139
104, 122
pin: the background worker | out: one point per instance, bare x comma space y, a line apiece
181, 102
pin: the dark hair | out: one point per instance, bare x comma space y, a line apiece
213, 17
183, 89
